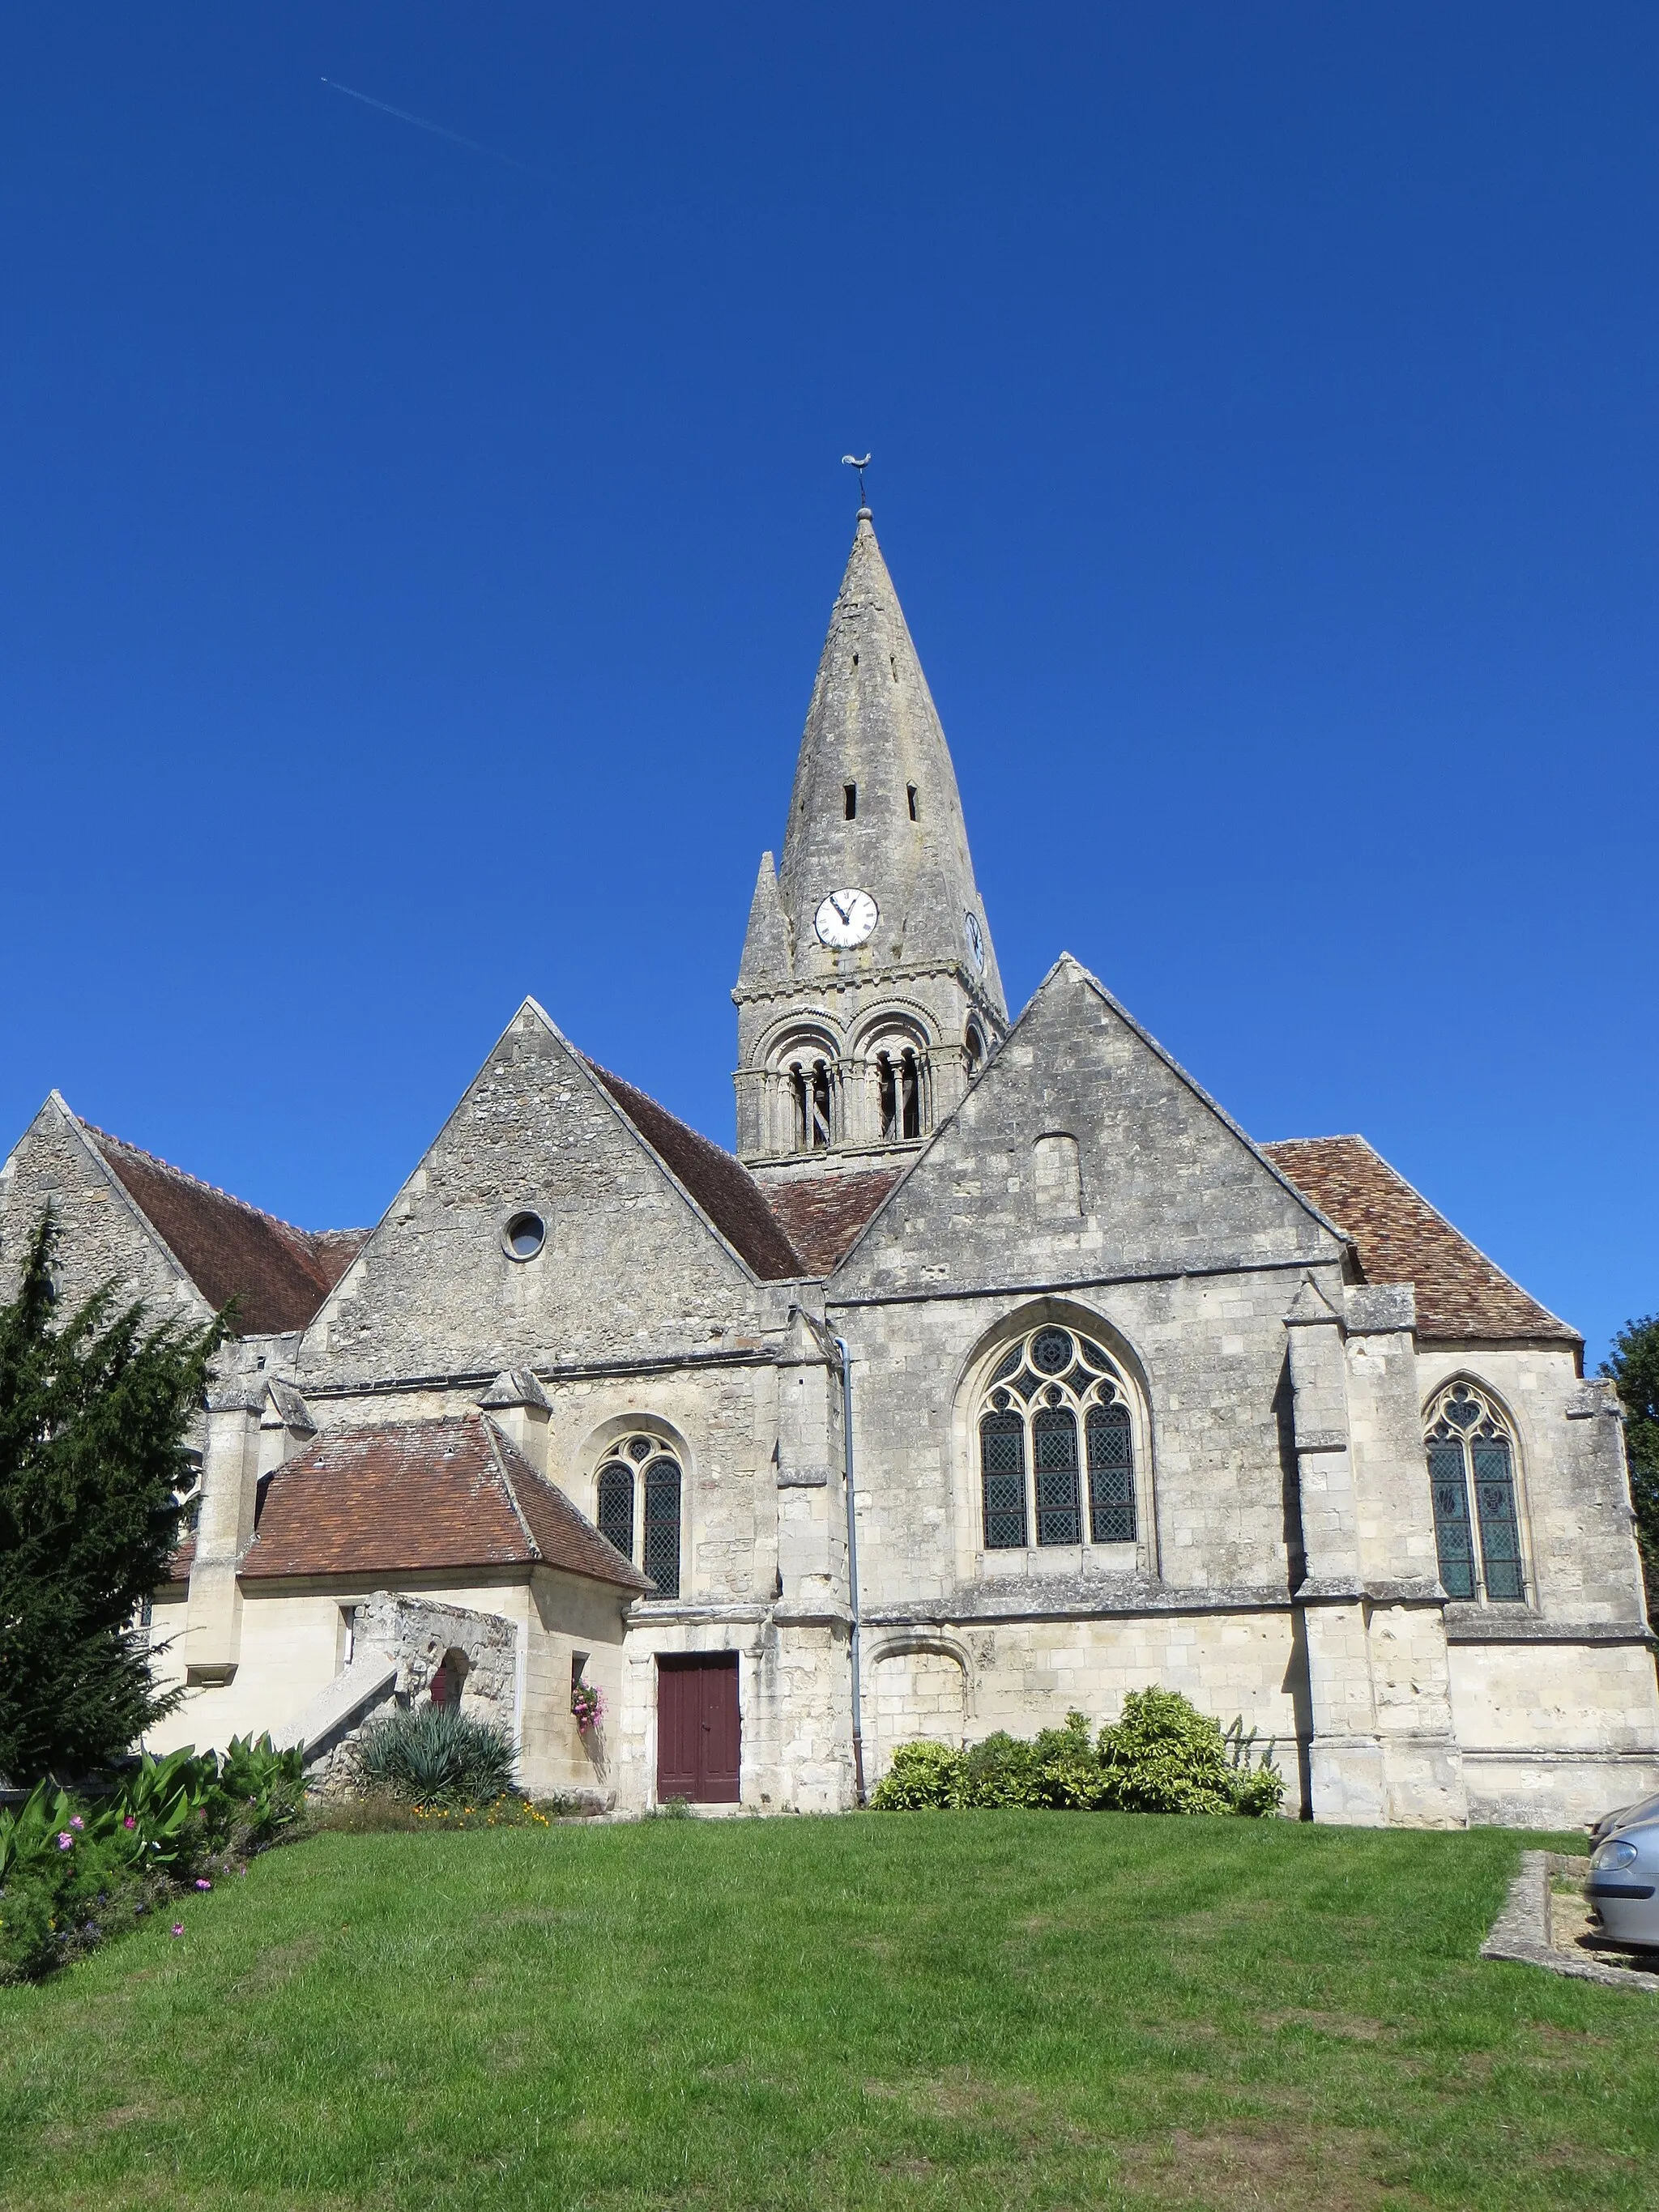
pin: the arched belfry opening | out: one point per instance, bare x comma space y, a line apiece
869, 933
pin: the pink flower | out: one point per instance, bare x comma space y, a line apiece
75, 1821
203, 1883
65, 1841
178, 1927
129, 1822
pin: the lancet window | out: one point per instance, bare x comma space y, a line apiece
1056, 1445
1477, 1526
637, 1498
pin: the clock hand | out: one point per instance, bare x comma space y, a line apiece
845, 912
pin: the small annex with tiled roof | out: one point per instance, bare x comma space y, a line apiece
1462, 1296
421, 1497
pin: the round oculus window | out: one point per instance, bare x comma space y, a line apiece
524, 1236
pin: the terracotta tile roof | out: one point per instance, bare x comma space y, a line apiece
822, 1214
280, 1274
425, 1496
1460, 1295
721, 1185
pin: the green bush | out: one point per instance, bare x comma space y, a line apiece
1001, 1770
75, 1873
1165, 1756
1162, 1755
922, 1775
259, 1792
432, 1755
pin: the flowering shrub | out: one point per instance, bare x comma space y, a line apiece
1162, 1755
71, 1879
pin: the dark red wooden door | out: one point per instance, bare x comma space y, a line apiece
699, 1739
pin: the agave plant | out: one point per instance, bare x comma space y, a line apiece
433, 1753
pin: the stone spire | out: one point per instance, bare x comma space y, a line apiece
861, 1021
873, 729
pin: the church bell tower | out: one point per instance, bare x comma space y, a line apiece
868, 995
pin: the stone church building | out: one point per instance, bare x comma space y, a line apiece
997, 1373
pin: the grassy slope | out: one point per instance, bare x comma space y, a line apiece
985, 2010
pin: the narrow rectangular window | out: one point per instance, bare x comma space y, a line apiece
1111, 1477
1500, 1533
910, 793
1454, 1538
1054, 1442
1002, 1475
850, 792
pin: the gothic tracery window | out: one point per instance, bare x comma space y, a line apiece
1055, 1445
649, 1464
1477, 1528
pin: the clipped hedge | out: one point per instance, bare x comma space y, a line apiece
1162, 1755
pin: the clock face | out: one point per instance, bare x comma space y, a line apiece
846, 918
975, 940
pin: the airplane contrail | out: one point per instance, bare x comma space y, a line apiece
437, 129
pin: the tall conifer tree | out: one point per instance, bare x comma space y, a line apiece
1634, 1371
94, 1412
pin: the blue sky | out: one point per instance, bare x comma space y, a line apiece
413, 559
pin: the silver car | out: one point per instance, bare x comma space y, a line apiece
1626, 1816
1623, 1877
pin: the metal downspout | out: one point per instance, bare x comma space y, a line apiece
840, 1342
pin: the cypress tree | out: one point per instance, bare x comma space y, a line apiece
1634, 1372
94, 1412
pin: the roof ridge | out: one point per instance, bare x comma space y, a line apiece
1446, 1221
214, 1189
608, 1075
495, 1439
618, 1089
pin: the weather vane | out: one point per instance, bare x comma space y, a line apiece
852, 461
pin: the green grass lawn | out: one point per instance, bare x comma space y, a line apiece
971, 2010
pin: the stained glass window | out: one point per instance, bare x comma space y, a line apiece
616, 1502
655, 1520
1111, 1476
1002, 1474
1477, 1527
1054, 1438
659, 1553
1031, 1470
